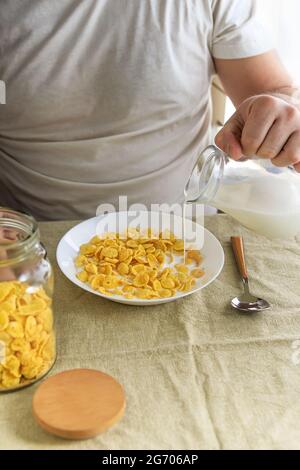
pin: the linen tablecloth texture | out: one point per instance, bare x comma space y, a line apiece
197, 374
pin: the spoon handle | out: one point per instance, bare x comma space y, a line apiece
238, 250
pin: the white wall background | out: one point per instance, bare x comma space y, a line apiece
282, 19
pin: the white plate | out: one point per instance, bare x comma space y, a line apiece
69, 245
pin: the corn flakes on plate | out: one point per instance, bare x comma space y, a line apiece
118, 257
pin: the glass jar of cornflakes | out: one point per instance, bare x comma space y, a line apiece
27, 338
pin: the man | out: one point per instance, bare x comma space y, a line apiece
111, 97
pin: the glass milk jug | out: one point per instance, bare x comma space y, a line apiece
259, 195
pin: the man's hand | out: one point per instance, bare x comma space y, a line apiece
267, 121
266, 126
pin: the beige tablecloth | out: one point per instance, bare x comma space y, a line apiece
197, 375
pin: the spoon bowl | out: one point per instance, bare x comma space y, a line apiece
246, 302
249, 303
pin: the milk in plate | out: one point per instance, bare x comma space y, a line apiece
264, 198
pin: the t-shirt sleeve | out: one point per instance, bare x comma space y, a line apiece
237, 32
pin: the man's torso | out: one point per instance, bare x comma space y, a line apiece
103, 98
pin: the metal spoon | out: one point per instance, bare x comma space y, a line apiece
246, 302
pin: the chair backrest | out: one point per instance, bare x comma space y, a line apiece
218, 102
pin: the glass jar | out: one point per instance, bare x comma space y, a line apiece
258, 194
27, 338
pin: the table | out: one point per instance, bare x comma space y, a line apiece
197, 374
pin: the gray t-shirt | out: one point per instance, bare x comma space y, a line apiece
110, 97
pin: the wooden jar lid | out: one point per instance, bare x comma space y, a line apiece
79, 403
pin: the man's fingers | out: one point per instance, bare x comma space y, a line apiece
297, 167
279, 133
290, 154
228, 139
230, 145
234, 147
257, 125
275, 140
